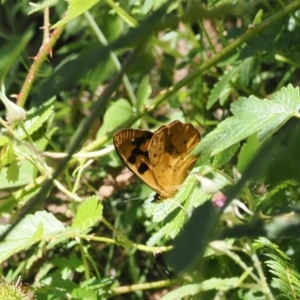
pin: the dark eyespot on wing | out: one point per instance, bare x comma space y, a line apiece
143, 168
140, 144
135, 153
139, 141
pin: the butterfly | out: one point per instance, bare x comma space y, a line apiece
161, 158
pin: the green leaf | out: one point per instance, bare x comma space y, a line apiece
4, 140
161, 209
10, 51
43, 5
246, 69
174, 212
147, 5
27, 172
143, 93
75, 9
176, 221
37, 121
223, 157
258, 17
286, 278
247, 152
280, 187
8, 156
13, 172
40, 226
116, 114
39, 232
263, 242
252, 115
221, 87
100, 74
89, 212
84, 293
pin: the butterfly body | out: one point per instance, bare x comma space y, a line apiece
160, 159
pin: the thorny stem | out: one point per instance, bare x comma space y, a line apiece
45, 49
46, 26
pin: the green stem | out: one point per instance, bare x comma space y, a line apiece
44, 51
112, 55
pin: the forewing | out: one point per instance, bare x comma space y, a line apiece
169, 151
132, 147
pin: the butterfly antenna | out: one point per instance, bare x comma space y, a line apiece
165, 201
133, 199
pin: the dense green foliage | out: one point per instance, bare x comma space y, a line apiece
75, 224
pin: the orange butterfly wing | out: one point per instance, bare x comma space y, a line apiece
160, 159
132, 147
169, 155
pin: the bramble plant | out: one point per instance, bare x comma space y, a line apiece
75, 224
